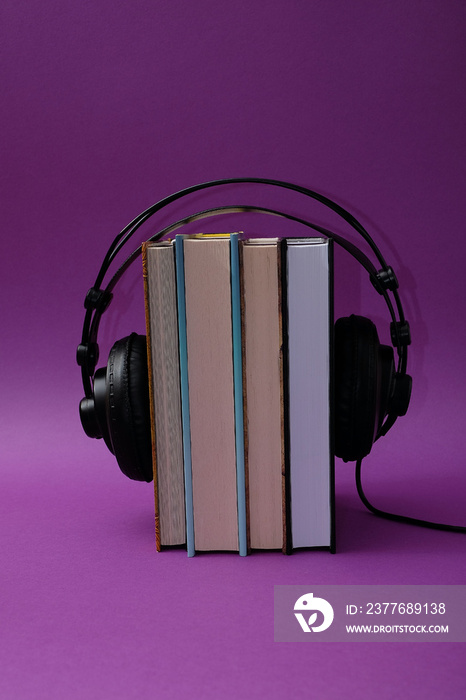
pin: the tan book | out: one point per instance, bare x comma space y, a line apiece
263, 387
207, 280
164, 386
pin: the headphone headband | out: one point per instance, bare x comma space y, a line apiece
238, 209
97, 299
129, 230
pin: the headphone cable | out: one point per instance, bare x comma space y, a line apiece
400, 518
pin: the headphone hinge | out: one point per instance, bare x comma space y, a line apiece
400, 334
385, 280
87, 355
97, 299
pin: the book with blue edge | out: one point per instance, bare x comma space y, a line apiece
212, 393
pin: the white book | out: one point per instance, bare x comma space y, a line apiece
310, 327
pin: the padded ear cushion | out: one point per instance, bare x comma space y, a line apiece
128, 408
356, 370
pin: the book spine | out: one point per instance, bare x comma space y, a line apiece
238, 395
245, 393
183, 354
287, 526
151, 390
283, 459
331, 321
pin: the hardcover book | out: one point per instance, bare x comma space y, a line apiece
213, 394
164, 390
309, 320
263, 391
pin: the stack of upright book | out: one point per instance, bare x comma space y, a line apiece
240, 354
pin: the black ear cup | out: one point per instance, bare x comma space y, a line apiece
364, 379
128, 408
93, 411
119, 409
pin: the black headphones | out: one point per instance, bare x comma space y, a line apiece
372, 388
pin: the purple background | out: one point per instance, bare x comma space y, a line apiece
108, 107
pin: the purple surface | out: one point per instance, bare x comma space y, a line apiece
106, 108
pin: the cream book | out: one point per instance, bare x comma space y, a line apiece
263, 391
164, 386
